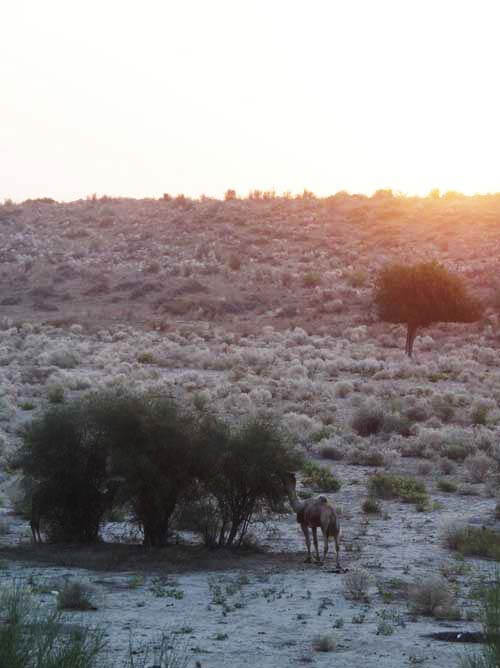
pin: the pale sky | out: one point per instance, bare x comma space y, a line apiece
196, 96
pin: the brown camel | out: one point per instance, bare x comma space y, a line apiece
313, 514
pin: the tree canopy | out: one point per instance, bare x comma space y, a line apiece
421, 294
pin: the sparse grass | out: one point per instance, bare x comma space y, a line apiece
75, 596
319, 478
165, 651
489, 656
390, 486
34, 638
324, 643
474, 541
27, 406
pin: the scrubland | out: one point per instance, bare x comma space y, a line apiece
264, 307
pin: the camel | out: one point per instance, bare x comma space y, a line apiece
313, 514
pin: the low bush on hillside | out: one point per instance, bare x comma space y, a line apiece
447, 486
370, 419
404, 488
474, 541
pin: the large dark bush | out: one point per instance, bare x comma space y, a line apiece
244, 476
64, 464
153, 448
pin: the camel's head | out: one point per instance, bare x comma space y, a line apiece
289, 482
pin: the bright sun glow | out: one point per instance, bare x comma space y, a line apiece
141, 98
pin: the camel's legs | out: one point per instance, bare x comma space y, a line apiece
337, 548
325, 544
305, 531
315, 539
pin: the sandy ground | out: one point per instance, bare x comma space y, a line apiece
266, 609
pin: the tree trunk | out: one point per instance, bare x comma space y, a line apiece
410, 339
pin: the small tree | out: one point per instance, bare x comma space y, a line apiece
230, 195
422, 294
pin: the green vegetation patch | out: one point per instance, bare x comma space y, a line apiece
474, 541
405, 488
319, 478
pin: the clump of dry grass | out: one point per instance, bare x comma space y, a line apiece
433, 597
75, 596
357, 584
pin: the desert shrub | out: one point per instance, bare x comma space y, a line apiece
433, 597
34, 638
145, 358
366, 457
442, 407
319, 478
479, 412
371, 506
446, 466
417, 413
235, 262
356, 278
390, 486
458, 452
424, 468
356, 584
324, 643
368, 419
489, 601
55, 394
478, 467
75, 596
446, 486
342, 389
497, 511
311, 279
63, 451
331, 452
474, 541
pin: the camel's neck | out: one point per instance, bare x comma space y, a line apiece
294, 502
